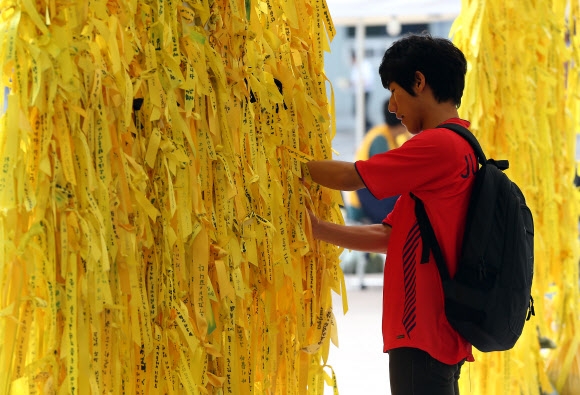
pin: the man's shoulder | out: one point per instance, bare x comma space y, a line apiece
435, 137
443, 143
442, 133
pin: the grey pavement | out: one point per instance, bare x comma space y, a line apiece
360, 366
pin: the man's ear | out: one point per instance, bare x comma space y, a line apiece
419, 83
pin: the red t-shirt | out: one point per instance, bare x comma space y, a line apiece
436, 165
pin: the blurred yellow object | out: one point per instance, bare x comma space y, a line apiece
564, 367
154, 236
521, 97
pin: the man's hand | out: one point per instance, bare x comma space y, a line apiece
315, 224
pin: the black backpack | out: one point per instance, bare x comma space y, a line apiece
489, 298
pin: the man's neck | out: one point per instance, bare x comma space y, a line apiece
440, 113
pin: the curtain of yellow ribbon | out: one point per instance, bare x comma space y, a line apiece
153, 230
521, 97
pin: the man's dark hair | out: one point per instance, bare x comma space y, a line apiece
442, 63
390, 118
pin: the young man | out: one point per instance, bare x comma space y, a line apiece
426, 78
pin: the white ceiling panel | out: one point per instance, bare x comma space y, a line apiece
374, 12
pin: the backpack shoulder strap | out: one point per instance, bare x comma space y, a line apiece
472, 140
467, 135
429, 240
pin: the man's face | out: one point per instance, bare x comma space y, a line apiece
404, 106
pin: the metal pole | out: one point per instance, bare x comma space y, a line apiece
360, 107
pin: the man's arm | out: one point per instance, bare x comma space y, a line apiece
368, 238
335, 174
